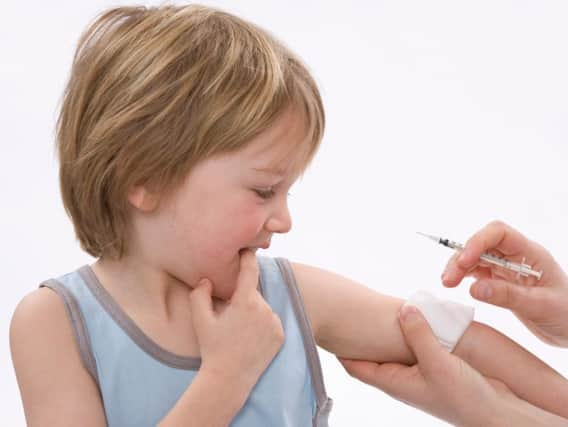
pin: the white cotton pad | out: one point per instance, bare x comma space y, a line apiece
448, 319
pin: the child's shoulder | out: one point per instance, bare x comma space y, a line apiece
40, 304
38, 320
53, 382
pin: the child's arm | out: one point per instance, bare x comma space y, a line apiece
57, 390
236, 346
355, 322
445, 386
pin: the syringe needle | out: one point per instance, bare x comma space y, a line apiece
521, 269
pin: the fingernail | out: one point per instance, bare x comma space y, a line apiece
483, 291
462, 258
408, 313
202, 282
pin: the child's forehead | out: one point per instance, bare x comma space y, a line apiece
281, 149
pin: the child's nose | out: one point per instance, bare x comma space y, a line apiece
280, 221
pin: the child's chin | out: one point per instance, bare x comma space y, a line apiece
225, 287
253, 250
223, 294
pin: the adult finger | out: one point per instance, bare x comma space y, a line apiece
529, 301
247, 281
363, 370
453, 274
498, 386
495, 235
419, 337
400, 381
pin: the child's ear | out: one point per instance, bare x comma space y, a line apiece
142, 199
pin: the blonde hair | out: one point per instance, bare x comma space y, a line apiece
153, 91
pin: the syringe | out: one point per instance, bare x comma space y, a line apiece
521, 269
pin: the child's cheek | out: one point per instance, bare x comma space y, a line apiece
248, 222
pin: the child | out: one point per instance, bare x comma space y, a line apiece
180, 133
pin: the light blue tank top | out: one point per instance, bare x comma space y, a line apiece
139, 381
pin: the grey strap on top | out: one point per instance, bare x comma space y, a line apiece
77, 325
125, 322
324, 403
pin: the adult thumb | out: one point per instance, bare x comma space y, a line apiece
529, 301
421, 340
201, 303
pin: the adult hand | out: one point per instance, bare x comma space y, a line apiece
542, 305
447, 387
238, 342
440, 383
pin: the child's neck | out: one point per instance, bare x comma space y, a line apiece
141, 286
156, 302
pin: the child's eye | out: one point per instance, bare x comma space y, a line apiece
264, 193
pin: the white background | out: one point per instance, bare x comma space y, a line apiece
441, 115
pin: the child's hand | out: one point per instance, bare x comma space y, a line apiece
541, 305
238, 343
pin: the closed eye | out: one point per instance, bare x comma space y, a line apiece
264, 193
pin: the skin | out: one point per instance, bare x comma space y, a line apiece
542, 305
355, 322
445, 386
227, 204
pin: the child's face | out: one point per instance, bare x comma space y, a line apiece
228, 202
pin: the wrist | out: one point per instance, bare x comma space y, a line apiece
212, 399
495, 411
520, 413
236, 383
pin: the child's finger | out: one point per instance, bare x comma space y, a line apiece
201, 304
247, 281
